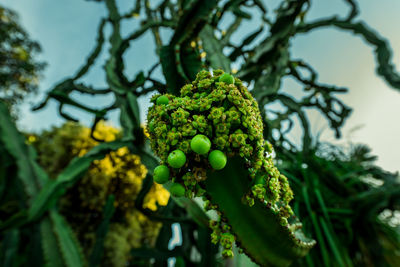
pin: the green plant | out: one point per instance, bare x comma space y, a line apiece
51, 237
350, 209
119, 175
223, 103
99, 210
202, 39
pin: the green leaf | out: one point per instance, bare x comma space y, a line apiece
9, 248
51, 253
257, 228
5, 169
72, 173
35, 253
54, 189
28, 171
69, 246
332, 242
102, 230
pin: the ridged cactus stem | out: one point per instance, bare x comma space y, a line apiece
258, 229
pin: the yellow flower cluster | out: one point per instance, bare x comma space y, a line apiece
120, 173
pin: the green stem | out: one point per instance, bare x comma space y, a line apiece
258, 229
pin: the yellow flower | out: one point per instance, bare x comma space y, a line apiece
119, 173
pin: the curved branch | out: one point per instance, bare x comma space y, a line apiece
80, 87
96, 51
383, 53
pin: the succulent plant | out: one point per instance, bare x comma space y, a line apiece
229, 165
201, 38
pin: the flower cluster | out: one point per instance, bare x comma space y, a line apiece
214, 118
221, 234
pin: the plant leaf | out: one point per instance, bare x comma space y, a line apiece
102, 230
51, 254
72, 173
69, 246
9, 248
15, 145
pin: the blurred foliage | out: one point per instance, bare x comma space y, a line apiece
50, 239
19, 70
346, 202
119, 174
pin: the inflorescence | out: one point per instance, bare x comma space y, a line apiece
213, 119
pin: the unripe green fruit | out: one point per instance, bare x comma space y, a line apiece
217, 159
177, 190
200, 144
162, 100
161, 174
227, 78
176, 159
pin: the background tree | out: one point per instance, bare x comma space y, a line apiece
19, 69
343, 198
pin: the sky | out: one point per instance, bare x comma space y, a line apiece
67, 31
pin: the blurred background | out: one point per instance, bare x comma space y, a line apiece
67, 31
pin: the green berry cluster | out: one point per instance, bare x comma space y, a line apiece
214, 118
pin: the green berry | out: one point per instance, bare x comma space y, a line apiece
200, 144
227, 78
217, 159
177, 190
176, 159
161, 174
162, 100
